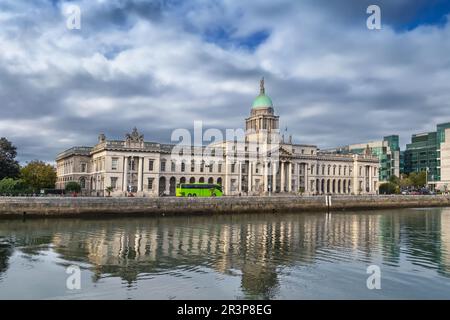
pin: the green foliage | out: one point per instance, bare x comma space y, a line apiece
418, 179
9, 186
395, 180
38, 175
406, 182
389, 188
109, 190
9, 167
73, 186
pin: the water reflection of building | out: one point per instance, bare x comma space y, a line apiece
257, 248
445, 240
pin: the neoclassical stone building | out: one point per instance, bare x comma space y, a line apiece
261, 162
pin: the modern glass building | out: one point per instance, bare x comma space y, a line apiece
424, 153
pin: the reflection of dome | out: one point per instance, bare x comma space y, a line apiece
262, 101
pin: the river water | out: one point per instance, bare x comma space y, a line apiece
259, 256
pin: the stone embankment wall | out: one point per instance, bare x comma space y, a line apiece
48, 206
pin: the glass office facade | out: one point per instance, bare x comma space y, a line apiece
424, 152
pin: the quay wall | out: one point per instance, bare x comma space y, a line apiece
81, 206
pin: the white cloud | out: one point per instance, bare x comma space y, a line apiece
138, 63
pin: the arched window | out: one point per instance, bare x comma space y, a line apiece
201, 180
192, 180
211, 180
219, 181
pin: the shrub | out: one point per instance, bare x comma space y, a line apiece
389, 188
73, 187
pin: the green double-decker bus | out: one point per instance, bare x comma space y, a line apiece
199, 190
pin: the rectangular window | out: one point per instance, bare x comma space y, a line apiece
114, 163
163, 166
211, 166
172, 166
202, 166
114, 182
83, 167
219, 167
183, 167
150, 183
233, 167
150, 165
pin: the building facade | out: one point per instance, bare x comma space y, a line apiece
386, 150
259, 163
430, 152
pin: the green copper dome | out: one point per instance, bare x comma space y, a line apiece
262, 101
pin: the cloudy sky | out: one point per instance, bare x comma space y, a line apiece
160, 65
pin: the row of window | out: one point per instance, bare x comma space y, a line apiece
338, 170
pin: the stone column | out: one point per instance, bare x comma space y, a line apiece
125, 174
274, 176
306, 177
140, 174
226, 178
250, 173
290, 177
370, 178
240, 176
283, 182
265, 173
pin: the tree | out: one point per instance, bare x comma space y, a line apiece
109, 190
406, 182
388, 188
9, 167
418, 179
394, 179
73, 186
38, 175
11, 186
